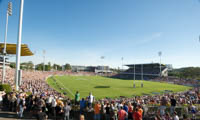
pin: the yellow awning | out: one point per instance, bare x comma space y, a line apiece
11, 49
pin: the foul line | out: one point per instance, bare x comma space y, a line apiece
63, 86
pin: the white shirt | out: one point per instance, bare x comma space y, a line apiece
18, 101
119, 106
176, 117
67, 108
90, 99
53, 103
1, 99
49, 99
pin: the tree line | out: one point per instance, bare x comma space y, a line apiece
47, 67
186, 73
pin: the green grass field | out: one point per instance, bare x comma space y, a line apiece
108, 87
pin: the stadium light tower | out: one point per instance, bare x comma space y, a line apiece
102, 57
122, 63
160, 54
9, 13
18, 49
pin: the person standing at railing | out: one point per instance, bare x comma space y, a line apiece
90, 99
77, 98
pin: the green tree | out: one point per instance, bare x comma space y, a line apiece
186, 73
39, 66
67, 66
12, 65
48, 67
27, 65
57, 67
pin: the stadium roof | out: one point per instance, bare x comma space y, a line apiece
11, 49
131, 65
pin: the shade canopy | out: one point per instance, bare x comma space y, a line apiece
11, 49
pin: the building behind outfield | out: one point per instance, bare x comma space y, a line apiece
144, 71
95, 69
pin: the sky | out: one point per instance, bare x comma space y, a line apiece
79, 32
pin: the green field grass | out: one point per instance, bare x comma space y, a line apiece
108, 87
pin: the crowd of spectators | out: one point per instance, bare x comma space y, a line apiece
176, 80
44, 102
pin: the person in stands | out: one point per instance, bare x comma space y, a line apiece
140, 110
82, 105
137, 115
167, 116
125, 107
173, 105
21, 107
175, 116
162, 107
82, 117
122, 114
77, 98
53, 105
108, 110
130, 111
90, 99
41, 115
97, 109
66, 110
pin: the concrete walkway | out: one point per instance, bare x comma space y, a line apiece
5, 115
